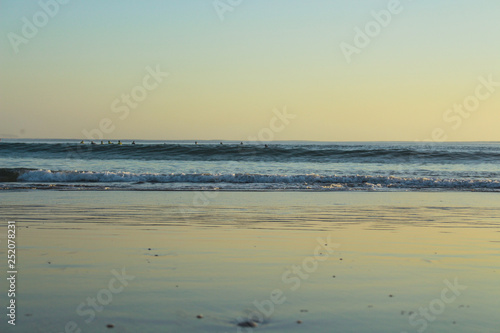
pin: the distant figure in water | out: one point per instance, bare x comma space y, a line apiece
109, 142
241, 143
266, 146
102, 142
92, 143
119, 142
82, 142
133, 142
196, 142
221, 143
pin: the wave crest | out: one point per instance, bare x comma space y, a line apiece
301, 181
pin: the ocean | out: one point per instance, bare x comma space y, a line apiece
234, 166
298, 236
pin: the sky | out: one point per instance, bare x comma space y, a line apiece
320, 70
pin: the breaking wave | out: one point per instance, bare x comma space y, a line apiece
298, 181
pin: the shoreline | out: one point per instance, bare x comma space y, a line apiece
71, 188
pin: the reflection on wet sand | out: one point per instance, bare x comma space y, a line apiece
395, 265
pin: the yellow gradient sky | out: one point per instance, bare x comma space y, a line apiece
67, 66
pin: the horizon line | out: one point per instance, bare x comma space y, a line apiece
255, 141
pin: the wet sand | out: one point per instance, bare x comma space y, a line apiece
336, 262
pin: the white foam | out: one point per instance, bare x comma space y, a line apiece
300, 181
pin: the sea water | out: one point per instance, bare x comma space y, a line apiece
253, 166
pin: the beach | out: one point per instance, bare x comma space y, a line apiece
249, 166
155, 261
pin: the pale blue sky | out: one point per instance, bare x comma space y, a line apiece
226, 77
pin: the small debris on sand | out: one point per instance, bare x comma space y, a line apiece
248, 323
110, 325
199, 316
391, 295
299, 321
304, 310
